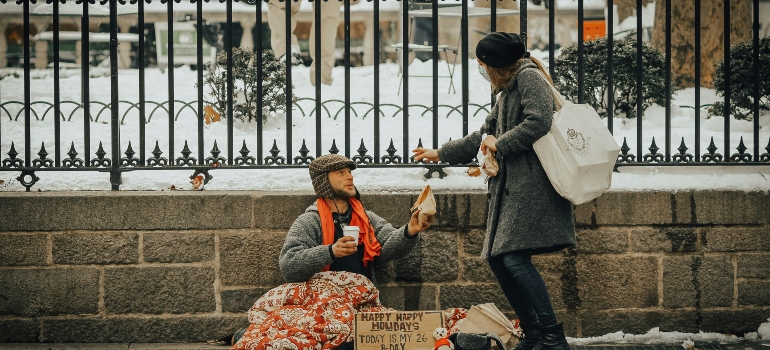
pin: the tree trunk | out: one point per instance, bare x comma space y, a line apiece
712, 36
508, 24
627, 8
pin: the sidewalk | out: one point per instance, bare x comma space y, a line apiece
741, 345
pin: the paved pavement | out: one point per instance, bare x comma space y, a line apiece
741, 345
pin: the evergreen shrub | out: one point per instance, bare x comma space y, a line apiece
244, 75
624, 75
742, 81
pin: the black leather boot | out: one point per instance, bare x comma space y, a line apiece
531, 338
552, 338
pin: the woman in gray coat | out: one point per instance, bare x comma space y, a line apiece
526, 215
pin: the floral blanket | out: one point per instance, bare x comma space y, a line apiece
315, 315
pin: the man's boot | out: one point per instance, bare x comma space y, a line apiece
552, 338
531, 337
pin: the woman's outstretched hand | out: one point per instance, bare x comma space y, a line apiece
427, 154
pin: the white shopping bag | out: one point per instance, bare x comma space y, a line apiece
578, 153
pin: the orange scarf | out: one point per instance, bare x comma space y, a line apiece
358, 218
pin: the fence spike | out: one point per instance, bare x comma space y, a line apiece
741, 156
391, 158
362, 158
712, 156
334, 149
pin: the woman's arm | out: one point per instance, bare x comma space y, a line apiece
537, 106
462, 150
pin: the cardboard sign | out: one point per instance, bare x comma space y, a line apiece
397, 330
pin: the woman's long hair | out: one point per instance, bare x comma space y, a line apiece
501, 78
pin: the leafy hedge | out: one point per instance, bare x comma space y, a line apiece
624, 75
742, 81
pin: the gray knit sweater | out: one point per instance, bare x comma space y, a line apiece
304, 254
525, 211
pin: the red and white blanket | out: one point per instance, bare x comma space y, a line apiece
317, 314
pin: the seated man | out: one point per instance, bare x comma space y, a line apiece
315, 242
317, 308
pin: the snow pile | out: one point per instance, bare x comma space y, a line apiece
764, 330
655, 336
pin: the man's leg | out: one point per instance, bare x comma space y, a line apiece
276, 19
330, 12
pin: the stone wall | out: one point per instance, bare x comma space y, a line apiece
185, 266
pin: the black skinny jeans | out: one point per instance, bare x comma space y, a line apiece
524, 288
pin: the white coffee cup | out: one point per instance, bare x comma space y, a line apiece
351, 231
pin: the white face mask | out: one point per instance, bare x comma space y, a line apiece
483, 72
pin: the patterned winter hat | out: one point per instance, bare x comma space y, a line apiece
320, 168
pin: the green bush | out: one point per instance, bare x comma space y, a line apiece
244, 75
624, 75
742, 80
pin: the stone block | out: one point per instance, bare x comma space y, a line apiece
664, 240
96, 248
251, 257
161, 329
19, 331
695, 280
23, 249
392, 296
126, 210
384, 273
433, 259
754, 265
600, 322
393, 207
754, 293
683, 204
178, 247
584, 214
459, 209
570, 321
743, 320
558, 272
241, 300
736, 238
279, 210
467, 295
732, 207
43, 292
634, 208
602, 241
158, 290
606, 282
477, 270
409, 298
473, 242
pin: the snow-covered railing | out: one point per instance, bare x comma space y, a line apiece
363, 104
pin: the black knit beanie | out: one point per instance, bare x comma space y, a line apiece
499, 50
319, 172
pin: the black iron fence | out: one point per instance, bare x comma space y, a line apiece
252, 153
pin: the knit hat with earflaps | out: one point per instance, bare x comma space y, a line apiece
500, 50
319, 172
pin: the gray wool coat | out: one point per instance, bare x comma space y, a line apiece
525, 213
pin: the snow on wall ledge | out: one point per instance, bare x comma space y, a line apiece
152, 266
